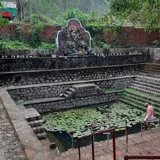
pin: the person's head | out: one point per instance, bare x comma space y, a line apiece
146, 105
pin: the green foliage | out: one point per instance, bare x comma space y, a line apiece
37, 30
156, 43
53, 8
2, 45
46, 46
73, 13
1, 4
3, 21
33, 18
15, 44
20, 45
84, 121
19, 32
144, 12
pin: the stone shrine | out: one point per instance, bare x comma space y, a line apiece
73, 39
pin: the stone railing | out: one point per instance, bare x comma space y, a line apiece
42, 63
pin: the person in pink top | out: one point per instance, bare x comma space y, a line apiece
149, 115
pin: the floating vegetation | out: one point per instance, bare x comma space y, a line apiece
85, 121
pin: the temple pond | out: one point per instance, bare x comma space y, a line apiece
65, 126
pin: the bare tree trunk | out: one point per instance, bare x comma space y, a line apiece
20, 14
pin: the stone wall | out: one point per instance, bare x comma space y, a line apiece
43, 107
133, 36
155, 54
10, 30
23, 64
129, 35
65, 75
54, 90
26, 53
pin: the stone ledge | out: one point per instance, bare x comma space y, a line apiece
44, 100
66, 83
69, 69
32, 146
53, 99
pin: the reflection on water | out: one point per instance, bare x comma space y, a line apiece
64, 141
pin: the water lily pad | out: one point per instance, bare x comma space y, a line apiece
84, 121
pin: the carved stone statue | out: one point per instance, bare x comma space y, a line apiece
73, 39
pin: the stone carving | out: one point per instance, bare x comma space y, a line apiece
73, 39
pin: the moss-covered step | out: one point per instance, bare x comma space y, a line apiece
137, 102
142, 94
145, 90
144, 100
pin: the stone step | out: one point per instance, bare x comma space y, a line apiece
145, 80
144, 100
36, 123
153, 75
35, 101
141, 104
155, 64
144, 90
32, 118
68, 92
142, 95
31, 114
138, 102
151, 70
72, 90
42, 135
147, 77
66, 95
152, 66
156, 91
39, 129
154, 86
132, 104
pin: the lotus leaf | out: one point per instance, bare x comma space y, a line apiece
86, 120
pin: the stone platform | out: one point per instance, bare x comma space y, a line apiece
10, 146
147, 144
17, 139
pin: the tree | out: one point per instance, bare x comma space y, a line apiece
143, 12
53, 8
20, 10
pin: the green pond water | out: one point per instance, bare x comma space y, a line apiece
63, 126
64, 141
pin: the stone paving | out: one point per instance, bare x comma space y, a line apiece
10, 146
147, 144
